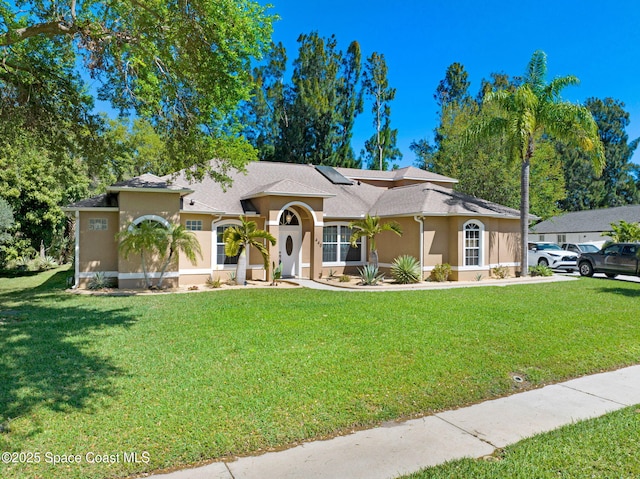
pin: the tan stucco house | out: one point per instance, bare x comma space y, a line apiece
308, 210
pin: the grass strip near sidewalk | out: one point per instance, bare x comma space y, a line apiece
194, 377
605, 447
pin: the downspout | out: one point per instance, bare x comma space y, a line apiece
420, 220
214, 244
77, 251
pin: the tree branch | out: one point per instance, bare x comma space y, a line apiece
49, 29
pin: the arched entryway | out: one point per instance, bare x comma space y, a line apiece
290, 241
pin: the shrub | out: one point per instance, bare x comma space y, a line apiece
43, 264
478, 277
276, 273
99, 281
369, 275
214, 283
345, 278
540, 270
500, 272
232, 279
406, 269
441, 272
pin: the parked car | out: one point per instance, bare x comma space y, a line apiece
580, 247
612, 260
550, 254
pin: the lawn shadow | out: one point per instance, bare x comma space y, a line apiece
628, 292
46, 354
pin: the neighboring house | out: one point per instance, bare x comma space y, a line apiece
584, 226
308, 210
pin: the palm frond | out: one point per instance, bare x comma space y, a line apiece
536, 71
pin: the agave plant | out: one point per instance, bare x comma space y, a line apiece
406, 269
370, 276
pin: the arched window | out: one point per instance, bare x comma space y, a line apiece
473, 243
289, 218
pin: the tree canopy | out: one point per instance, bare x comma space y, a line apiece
183, 66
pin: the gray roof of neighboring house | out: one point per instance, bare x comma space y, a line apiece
589, 220
348, 201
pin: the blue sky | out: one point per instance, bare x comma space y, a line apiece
597, 41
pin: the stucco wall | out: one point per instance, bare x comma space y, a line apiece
134, 205
390, 245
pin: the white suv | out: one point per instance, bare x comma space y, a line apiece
551, 255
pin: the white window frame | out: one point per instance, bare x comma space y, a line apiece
562, 238
214, 240
98, 224
193, 225
339, 262
480, 246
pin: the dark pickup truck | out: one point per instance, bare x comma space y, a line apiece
612, 260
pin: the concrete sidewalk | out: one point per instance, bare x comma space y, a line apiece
395, 449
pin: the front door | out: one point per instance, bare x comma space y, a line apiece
290, 241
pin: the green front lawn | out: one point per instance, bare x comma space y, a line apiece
606, 447
193, 377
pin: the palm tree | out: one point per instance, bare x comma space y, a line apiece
369, 228
533, 110
238, 239
178, 239
144, 238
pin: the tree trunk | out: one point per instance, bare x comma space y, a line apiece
164, 269
524, 211
241, 267
373, 257
147, 282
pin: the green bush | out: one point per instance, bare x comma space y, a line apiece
214, 283
540, 270
500, 272
99, 281
43, 264
345, 278
406, 269
441, 272
370, 276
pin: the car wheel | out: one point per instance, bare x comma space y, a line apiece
585, 268
543, 262
611, 275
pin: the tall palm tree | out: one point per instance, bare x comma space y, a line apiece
144, 238
178, 239
533, 110
369, 228
238, 239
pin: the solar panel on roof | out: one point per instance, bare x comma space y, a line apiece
333, 176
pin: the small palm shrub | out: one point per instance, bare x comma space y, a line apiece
213, 283
43, 264
406, 269
232, 279
370, 276
441, 272
540, 270
99, 281
500, 272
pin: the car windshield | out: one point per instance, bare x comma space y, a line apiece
548, 246
588, 248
